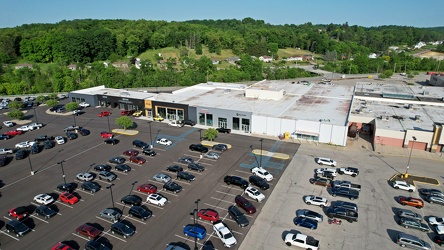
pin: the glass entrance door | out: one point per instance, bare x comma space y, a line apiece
222, 122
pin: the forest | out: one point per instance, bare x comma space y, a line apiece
47, 50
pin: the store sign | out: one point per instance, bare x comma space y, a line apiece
204, 111
104, 96
125, 99
243, 115
148, 104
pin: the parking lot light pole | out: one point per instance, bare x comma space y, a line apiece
200, 135
109, 127
30, 165
155, 138
63, 171
410, 156
132, 187
260, 165
151, 135
195, 216
251, 147
74, 115
110, 187
35, 114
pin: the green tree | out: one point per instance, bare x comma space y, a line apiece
53, 96
41, 98
71, 106
210, 134
125, 122
51, 103
16, 114
386, 74
15, 105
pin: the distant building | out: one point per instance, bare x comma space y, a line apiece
137, 63
294, 58
420, 45
437, 80
72, 66
23, 65
266, 59
232, 59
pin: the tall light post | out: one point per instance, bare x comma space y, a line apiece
260, 165
200, 134
35, 114
132, 187
74, 116
30, 165
63, 171
110, 187
251, 147
195, 215
151, 135
109, 127
155, 138
408, 163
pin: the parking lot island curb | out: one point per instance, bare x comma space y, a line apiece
212, 143
125, 131
271, 154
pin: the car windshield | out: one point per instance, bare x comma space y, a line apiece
228, 235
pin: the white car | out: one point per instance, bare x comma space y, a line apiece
24, 144
8, 124
176, 124
60, 140
212, 155
331, 171
325, 161
44, 199
436, 221
440, 229
164, 141
254, 194
85, 176
264, 174
84, 104
404, 186
224, 233
26, 128
315, 200
156, 199
6, 151
36, 125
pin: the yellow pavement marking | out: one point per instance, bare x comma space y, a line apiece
271, 154
212, 143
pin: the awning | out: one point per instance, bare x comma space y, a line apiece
306, 133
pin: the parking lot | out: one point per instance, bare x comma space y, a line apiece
64, 162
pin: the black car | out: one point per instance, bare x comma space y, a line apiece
149, 152
196, 167
182, 175
48, 144
3, 160
43, 138
186, 160
17, 227
199, 148
90, 186
84, 131
140, 212
132, 200
428, 191
122, 229
111, 141
345, 192
259, 182
123, 168
71, 135
439, 239
67, 187
188, 122
224, 130
102, 167
4, 137
21, 154
208, 245
45, 211
174, 168
35, 149
342, 213
220, 147
172, 186
236, 180
140, 144
117, 160
238, 216
95, 245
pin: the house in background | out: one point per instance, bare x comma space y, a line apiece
23, 65
72, 66
266, 59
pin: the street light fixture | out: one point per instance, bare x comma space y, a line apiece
195, 215
260, 165
110, 187
151, 135
30, 165
251, 147
63, 171
408, 163
74, 116
132, 187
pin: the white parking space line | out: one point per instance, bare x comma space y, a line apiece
226, 193
64, 204
108, 221
166, 192
106, 182
245, 172
182, 182
191, 240
126, 217
86, 192
211, 205
36, 217
9, 235
112, 235
231, 187
152, 205
9, 219
214, 198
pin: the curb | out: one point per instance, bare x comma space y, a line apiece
271, 154
125, 132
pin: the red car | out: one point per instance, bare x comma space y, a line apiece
18, 213
208, 214
61, 246
131, 152
104, 113
106, 135
137, 159
13, 132
147, 188
68, 198
127, 112
88, 231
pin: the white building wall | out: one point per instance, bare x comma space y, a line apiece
421, 136
389, 133
307, 126
259, 124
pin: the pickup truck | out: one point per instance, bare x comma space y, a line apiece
346, 184
349, 171
176, 124
5, 151
342, 213
302, 241
321, 181
224, 233
345, 192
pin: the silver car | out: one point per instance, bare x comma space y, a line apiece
162, 178
411, 241
411, 223
111, 214
212, 155
435, 199
405, 213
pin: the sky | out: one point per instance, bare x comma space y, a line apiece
365, 13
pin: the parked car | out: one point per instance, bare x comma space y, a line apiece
12, 133
138, 113
259, 182
105, 134
102, 167
78, 112
48, 144
104, 113
236, 180
84, 104
6, 151
196, 167
182, 175
67, 187
21, 154
306, 222
223, 130
111, 141
83, 131
195, 231
17, 227
158, 118
71, 128
149, 152
188, 122
172, 186
9, 124
35, 148
132, 200
71, 136
350, 216
90, 186
25, 128
404, 186
156, 199
436, 221
122, 168
131, 152
349, 171
439, 239
85, 176
164, 141
117, 160
4, 137
43, 199
434, 192
315, 200
435, 199
199, 148
137, 159
238, 216
140, 212
264, 174
212, 155
176, 124
404, 213
254, 194
208, 214
43, 138
185, 160
411, 241
162, 177
19, 213
220, 147
305, 213
24, 144
324, 171
410, 201
326, 161
345, 192
147, 188
60, 140
89, 231
111, 214
245, 204
127, 112
174, 168
411, 223
108, 176
321, 181
68, 198
45, 212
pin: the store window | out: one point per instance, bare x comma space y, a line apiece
236, 123
209, 120
246, 125
171, 114
161, 112
222, 122
201, 119
180, 114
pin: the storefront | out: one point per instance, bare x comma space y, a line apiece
121, 103
169, 111
221, 118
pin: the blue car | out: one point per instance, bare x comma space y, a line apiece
306, 222
195, 230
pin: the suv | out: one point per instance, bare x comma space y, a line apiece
199, 148
102, 167
122, 229
71, 136
111, 214
345, 192
48, 144
140, 212
238, 216
140, 144
349, 171
196, 166
325, 161
84, 131
410, 241
345, 205
321, 181
43, 138
172, 186
411, 223
71, 128
410, 201
17, 227
236, 180
188, 122
259, 182
185, 175
245, 204
220, 147
404, 213
224, 130
342, 213
109, 176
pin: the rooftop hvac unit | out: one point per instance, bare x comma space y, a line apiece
417, 117
425, 92
410, 106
